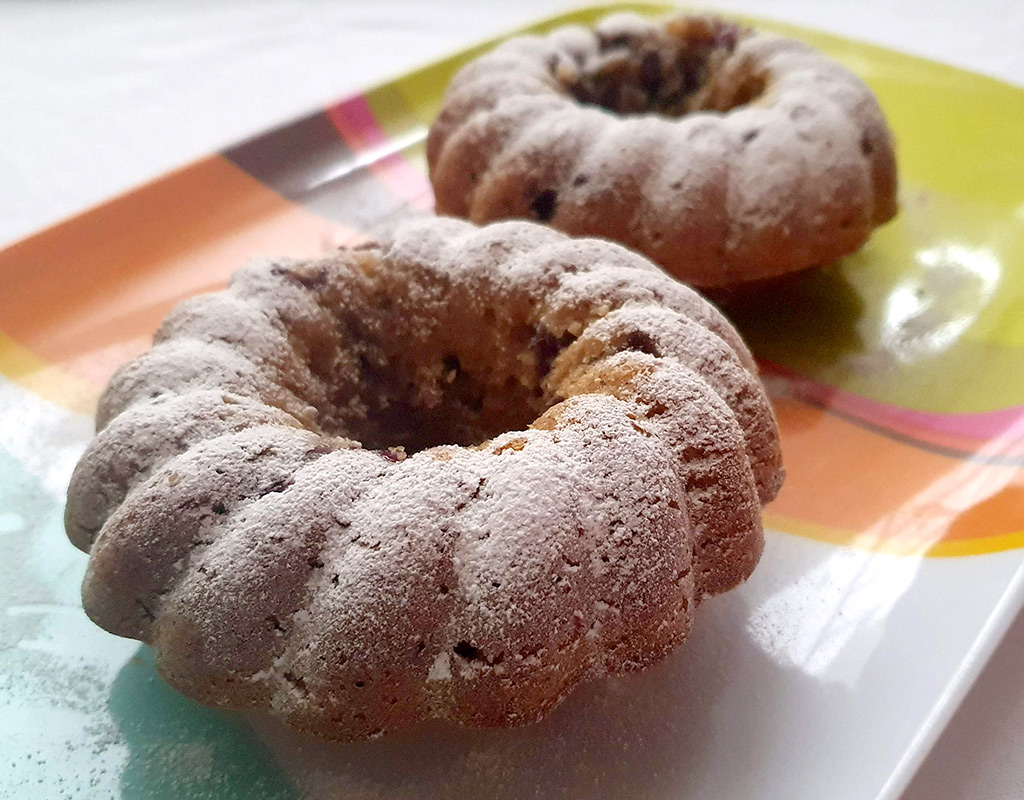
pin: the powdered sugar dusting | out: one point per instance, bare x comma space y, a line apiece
441, 669
451, 475
725, 155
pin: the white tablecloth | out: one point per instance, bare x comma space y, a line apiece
96, 97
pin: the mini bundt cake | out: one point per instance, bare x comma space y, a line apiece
449, 475
723, 154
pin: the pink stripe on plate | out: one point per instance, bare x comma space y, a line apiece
982, 426
362, 131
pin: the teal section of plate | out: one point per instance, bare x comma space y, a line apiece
83, 714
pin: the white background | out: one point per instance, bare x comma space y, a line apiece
96, 97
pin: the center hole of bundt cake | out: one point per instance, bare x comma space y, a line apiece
666, 69
444, 403
397, 375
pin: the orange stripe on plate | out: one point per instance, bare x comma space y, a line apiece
848, 484
89, 293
